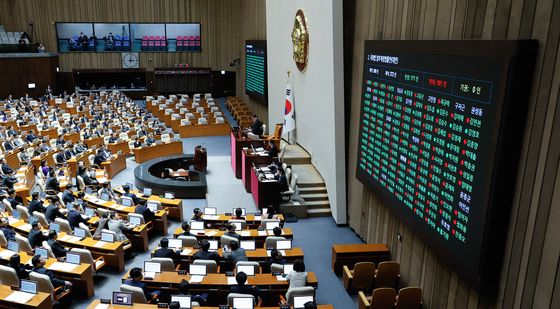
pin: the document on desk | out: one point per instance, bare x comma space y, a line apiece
196, 279
245, 233
211, 217
186, 251
121, 207
100, 244
12, 220
231, 280
102, 306
257, 218
20, 297
281, 278
262, 233
25, 227
211, 233
4, 254
65, 267
66, 237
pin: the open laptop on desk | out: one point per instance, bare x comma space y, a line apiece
147, 192
151, 269
210, 210
197, 227
185, 302
243, 303
175, 243
73, 258
28, 286
300, 301
122, 298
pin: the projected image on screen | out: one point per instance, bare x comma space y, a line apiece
255, 70
429, 128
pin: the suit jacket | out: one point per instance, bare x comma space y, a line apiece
141, 285
117, 227
68, 197
8, 233
36, 205
57, 249
166, 253
54, 280
6, 169
257, 128
98, 159
52, 184
206, 255
74, 218
235, 255
14, 202
36, 238
60, 158
52, 213
148, 215
244, 289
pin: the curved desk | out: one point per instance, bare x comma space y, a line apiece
166, 149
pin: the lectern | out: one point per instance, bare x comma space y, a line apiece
200, 158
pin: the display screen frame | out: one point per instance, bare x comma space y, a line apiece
259, 44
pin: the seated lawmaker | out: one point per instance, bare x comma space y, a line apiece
197, 215
231, 232
39, 267
74, 218
241, 288
204, 254
35, 204
146, 212
58, 250
135, 199
52, 183
6, 230
184, 288
165, 252
272, 149
14, 201
36, 236
86, 173
257, 127
186, 229
68, 195
15, 264
52, 212
136, 280
6, 169
9, 180
234, 253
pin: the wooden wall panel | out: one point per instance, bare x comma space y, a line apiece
529, 277
16, 73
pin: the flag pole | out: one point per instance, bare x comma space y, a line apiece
287, 82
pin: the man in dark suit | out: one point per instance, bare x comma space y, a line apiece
39, 267
57, 249
6, 169
8, 232
241, 288
36, 204
186, 229
204, 254
88, 181
9, 180
231, 232
99, 158
68, 195
74, 218
136, 275
12, 199
165, 252
135, 199
52, 211
59, 157
148, 215
257, 127
35, 236
52, 182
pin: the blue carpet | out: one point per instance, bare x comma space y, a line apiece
222, 103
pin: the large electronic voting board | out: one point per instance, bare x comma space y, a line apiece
440, 129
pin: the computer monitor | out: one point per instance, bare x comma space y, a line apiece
300, 301
122, 298
16, 214
126, 202
175, 243
238, 226
243, 303
248, 245
134, 220
54, 227
199, 270
147, 191
42, 252
169, 195
107, 237
288, 268
13, 246
105, 197
90, 212
79, 232
28, 286
210, 210
88, 190
213, 245
152, 267
69, 206
197, 225
249, 270
73, 258
184, 301
243, 211
152, 206
284, 244
272, 224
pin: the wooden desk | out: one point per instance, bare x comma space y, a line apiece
258, 255
253, 221
12, 158
237, 145
113, 253
81, 276
95, 141
23, 187
258, 236
248, 158
173, 205
216, 285
47, 156
350, 254
50, 133
72, 163
210, 129
144, 154
73, 137
264, 192
114, 166
95, 302
119, 146
39, 301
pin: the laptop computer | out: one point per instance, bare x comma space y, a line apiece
248, 245
271, 225
147, 192
90, 212
32, 220
243, 303
150, 269
197, 226
213, 245
80, 233
175, 243
300, 301
288, 268
69, 206
238, 226
73, 258
28, 286
42, 252
13, 246
107, 237
122, 298
169, 195
16, 214
284, 244
210, 210
105, 197
197, 270
126, 202
54, 227
185, 302
134, 220
152, 206
88, 190
249, 270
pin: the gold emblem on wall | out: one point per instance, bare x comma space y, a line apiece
300, 41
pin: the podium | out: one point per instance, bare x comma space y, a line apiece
200, 158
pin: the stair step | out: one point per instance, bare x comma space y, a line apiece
321, 212
311, 184
318, 204
314, 196
312, 190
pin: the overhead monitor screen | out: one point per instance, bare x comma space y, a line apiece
439, 138
255, 70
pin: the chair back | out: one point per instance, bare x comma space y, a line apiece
387, 276
243, 223
188, 241
81, 183
231, 296
225, 240
43, 283
41, 218
409, 298
8, 276
133, 215
64, 225
46, 245
24, 212
138, 296
364, 275
3, 240
301, 291
383, 298
211, 265
23, 243
255, 264
130, 200
85, 256
264, 221
270, 242
166, 263
8, 205
276, 268
85, 228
